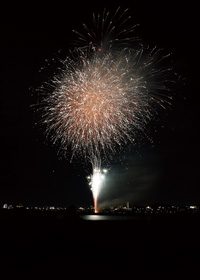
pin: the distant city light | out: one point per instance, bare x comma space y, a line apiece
97, 180
193, 207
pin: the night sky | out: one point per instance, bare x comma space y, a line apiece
163, 171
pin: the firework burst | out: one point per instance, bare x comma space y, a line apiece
102, 98
107, 31
100, 102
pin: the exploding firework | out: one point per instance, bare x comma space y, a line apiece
102, 98
101, 101
107, 31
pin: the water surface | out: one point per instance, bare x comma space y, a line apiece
107, 218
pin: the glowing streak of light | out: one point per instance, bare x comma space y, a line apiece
96, 183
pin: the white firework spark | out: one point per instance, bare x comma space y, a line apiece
107, 30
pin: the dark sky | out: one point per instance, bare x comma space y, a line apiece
166, 171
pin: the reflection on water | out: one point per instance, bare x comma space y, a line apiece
106, 218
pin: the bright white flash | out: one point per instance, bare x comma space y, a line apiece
96, 183
97, 180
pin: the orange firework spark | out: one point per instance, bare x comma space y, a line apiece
100, 101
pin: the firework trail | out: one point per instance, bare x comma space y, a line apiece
96, 181
104, 95
107, 31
